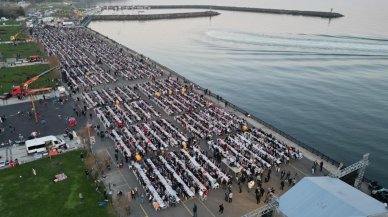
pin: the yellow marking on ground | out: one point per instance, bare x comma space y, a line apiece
298, 170
142, 208
207, 208
188, 210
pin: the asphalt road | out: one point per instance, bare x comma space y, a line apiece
19, 122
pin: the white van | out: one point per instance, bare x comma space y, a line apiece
40, 145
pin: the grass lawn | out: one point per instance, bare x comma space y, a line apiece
40, 196
18, 75
7, 31
23, 49
10, 22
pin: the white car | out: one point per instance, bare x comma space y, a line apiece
4, 163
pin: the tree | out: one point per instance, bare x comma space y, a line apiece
122, 205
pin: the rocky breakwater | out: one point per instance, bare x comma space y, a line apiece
155, 16
322, 14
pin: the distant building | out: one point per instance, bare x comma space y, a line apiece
326, 196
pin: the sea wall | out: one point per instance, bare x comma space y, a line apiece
155, 16
321, 14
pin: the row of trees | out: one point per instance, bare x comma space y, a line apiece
10, 11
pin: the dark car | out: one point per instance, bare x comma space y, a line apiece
5, 96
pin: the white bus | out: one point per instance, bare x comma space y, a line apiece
40, 145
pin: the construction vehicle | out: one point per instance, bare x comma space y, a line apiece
34, 59
16, 90
15, 37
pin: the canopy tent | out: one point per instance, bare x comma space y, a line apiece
325, 197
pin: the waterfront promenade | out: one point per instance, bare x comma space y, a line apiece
108, 72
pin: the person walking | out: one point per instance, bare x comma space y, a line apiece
282, 185
195, 214
321, 166
282, 174
221, 210
258, 196
142, 198
250, 185
230, 197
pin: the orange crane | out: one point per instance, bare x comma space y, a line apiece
31, 92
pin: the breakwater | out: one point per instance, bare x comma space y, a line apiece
155, 16
321, 14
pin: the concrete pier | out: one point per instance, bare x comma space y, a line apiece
321, 14
155, 16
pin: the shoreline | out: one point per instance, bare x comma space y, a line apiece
309, 153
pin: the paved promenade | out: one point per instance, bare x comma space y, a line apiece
124, 180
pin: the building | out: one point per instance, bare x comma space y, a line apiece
328, 197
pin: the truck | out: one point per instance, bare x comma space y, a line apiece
17, 90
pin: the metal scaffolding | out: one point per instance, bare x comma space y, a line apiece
360, 166
272, 205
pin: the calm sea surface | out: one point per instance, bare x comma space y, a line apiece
322, 81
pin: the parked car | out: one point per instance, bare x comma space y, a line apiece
3, 163
5, 96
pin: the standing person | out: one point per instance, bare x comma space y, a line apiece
250, 185
142, 198
133, 194
195, 210
221, 210
288, 175
269, 175
262, 191
293, 181
258, 196
282, 185
240, 186
282, 174
321, 166
230, 197
313, 169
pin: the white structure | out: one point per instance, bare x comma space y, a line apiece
41, 144
326, 197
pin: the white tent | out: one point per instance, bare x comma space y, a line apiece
328, 197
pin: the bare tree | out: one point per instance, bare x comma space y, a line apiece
122, 205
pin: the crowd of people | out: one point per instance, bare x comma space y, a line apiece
82, 56
109, 96
173, 97
126, 114
179, 174
144, 137
209, 122
174, 175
